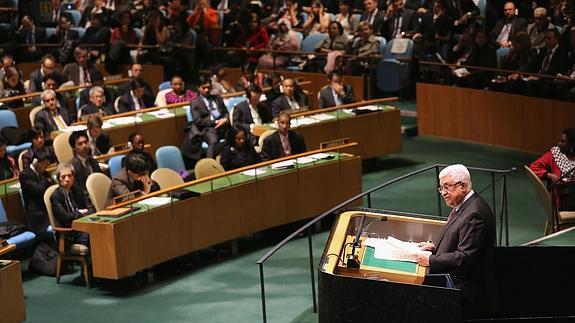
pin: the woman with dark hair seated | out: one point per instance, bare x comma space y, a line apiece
11, 85
133, 177
336, 41
8, 167
136, 141
559, 164
38, 143
239, 152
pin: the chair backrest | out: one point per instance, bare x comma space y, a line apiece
50, 31
62, 147
76, 16
189, 116
81, 31
233, 101
170, 157
161, 97
311, 41
164, 85
263, 136
98, 186
299, 36
117, 104
47, 194
7, 119
115, 164
382, 43
33, 113
207, 167
331, 16
3, 216
388, 54
543, 195
21, 159
166, 178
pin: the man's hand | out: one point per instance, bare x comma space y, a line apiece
338, 88
220, 122
145, 179
423, 259
426, 246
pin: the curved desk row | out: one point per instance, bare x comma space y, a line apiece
155, 233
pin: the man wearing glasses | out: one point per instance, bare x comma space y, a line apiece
465, 248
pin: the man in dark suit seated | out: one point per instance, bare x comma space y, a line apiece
133, 177
99, 141
283, 142
47, 67
52, 117
51, 83
210, 121
372, 15
133, 100
29, 34
97, 105
399, 22
291, 99
506, 29
135, 72
336, 93
66, 38
97, 33
80, 72
34, 180
465, 248
68, 204
252, 112
98, 80
84, 164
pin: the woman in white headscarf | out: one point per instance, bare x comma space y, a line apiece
285, 40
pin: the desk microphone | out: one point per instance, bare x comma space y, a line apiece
229, 180
352, 259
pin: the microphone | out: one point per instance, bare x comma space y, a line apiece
352, 259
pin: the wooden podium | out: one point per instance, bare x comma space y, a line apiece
11, 292
382, 290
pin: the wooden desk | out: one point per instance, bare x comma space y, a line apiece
11, 293
492, 118
120, 247
10, 194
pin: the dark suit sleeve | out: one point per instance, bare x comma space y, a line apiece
300, 146
277, 106
124, 104
267, 149
61, 212
471, 235
349, 96
41, 122
200, 115
239, 118
322, 100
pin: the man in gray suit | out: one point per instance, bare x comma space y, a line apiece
80, 72
336, 93
465, 247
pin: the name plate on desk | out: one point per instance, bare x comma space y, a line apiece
127, 197
333, 143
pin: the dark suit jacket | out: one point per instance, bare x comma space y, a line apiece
243, 116
377, 22
33, 187
202, 115
281, 103
57, 38
148, 96
103, 143
36, 80
233, 158
327, 100
559, 62
122, 184
409, 24
72, 72
126, 103
465, 250
517, 24
45, 121
109, 93
82, 174
64, 212
273, 148
39, 36
91, 109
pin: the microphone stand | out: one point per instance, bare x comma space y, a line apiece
352, 258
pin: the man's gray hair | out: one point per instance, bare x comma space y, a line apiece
46, 92
64, 166
458, 173
95, 89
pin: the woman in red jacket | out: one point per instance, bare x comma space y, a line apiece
558, 162
255, 36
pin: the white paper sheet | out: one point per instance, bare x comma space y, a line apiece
254, 172
156, 201
305, 160
125, 120
394, 249
302, 121
323, 116
284, 164
162, 114
319, 156
15, 186
370, 108
79, 127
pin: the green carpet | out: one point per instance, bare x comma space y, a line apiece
215, 287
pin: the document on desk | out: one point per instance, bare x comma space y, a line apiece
323, 116
79, 127
254, 172
369, 108
125, 120
394, 249
162, 114
302, 121
285, 164
156, 201
319, 156
15, 186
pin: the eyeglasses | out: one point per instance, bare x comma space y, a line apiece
447, 187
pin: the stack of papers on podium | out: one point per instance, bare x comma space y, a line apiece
285, 164
253, 172
394, 249
125, 120
162, 113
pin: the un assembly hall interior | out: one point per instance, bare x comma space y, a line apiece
302, 161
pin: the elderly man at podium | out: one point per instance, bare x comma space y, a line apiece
465, 248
